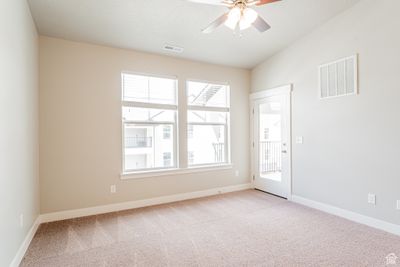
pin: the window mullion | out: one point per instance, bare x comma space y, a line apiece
182, 143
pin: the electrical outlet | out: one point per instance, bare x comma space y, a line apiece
113, 189
21, 220
299, 139
371, 199
398, 204
237, 173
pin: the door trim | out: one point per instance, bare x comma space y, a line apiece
285, 90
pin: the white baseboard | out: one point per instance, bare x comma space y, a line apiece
25, 244
69, 214
349, 215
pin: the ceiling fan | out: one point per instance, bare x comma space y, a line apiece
240, 16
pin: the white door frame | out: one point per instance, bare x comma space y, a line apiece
285, 90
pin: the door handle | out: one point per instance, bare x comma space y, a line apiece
284, 151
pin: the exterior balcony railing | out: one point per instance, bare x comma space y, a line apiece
219, 151
270, 156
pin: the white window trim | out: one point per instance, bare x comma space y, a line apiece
175, 171
135, 104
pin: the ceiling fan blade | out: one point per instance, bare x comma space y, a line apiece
216, 23
264, 2
213, 2
261, 25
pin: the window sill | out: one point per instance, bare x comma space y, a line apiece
168, 172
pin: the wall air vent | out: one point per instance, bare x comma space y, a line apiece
173, 48
339, 78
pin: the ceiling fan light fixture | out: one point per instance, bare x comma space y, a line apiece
233, 18
240, 15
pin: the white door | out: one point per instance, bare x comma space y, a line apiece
271, 141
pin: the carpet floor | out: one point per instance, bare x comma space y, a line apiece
247, 228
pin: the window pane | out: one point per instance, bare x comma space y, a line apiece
207, 116
270, 143
167, 158
190, 132
167, 132
145, 147
191, 157
208, 95
148, 114
149, 89
207, 145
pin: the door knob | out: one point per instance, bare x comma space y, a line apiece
284, 151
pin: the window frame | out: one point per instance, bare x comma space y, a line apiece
135, 104
180, 138
227, 124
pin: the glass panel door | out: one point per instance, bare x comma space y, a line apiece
270, 141
271, 133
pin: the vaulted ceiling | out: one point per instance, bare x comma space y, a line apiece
148, 25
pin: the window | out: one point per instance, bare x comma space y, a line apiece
191, 157
167, 132
150, 124
266, 133
149, 111
167, 159
208, 123
190, 131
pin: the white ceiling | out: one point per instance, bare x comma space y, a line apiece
147, 25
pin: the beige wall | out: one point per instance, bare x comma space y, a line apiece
80, 125
351, 144
19, 181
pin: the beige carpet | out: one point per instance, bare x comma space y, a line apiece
248, 228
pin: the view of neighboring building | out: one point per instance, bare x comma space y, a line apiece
148, 147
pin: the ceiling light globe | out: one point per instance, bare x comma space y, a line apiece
233, 18
250, 15
244, 24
